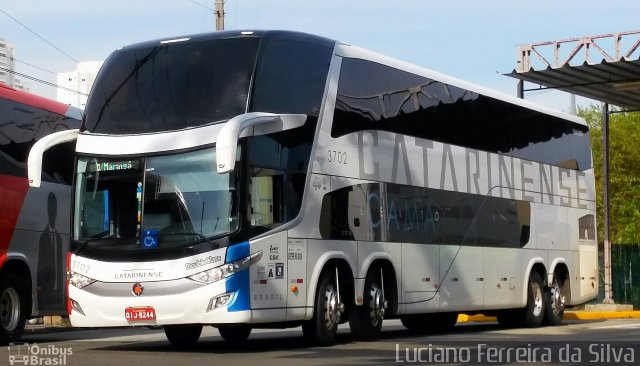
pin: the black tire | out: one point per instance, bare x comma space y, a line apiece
13, 308
234, 333
555, 298
322, 328
183, 334
366, 320
437, 322
535, 309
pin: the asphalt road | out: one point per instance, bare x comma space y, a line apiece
575, 342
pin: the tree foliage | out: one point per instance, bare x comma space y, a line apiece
624, 172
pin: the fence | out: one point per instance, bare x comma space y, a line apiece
625, 270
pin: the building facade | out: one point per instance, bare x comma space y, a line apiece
80, 80
7, 63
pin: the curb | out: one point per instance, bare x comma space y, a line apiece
568, 315
462, 318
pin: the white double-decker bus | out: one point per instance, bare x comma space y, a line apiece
272, 179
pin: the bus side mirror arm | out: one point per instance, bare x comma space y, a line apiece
34, 162
227, 141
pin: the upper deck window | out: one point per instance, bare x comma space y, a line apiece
173, 86
372, 96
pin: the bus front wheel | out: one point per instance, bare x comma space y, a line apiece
234, 333
183, 334
12, 308
322, 328
366, 320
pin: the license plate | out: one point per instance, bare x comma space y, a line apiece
140, 313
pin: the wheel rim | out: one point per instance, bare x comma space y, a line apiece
537, 299
332, 306
376, 304
10, 309
557, 298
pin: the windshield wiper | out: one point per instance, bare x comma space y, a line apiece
198, 235
83, 243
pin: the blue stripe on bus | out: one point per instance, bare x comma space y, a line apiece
105, 199
239, 282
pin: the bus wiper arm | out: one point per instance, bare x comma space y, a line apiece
83, 243
198, 235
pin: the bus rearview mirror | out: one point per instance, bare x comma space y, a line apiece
34, 161
263, 123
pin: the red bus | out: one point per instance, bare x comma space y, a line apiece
34, 224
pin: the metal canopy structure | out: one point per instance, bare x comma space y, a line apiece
604, 67
614, 80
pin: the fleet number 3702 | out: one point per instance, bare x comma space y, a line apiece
335, 156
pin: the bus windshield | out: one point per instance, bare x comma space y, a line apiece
171, 86
180, 199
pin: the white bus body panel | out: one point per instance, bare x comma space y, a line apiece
420, 278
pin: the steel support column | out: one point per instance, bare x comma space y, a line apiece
608, 293
520, 91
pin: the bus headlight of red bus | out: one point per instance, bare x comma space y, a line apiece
78, 280
225, 270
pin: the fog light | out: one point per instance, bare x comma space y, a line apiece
75, 306
219, 301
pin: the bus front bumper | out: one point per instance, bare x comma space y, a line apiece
179, 301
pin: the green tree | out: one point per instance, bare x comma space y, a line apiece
624, 172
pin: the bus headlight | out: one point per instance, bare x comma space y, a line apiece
78, 280
225, 270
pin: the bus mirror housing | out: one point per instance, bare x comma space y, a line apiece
227, 141
34, 162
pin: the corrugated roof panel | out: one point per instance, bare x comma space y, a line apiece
604, 81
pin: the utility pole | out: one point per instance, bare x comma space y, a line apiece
219, 13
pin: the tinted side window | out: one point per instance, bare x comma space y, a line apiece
22, 125
277, 175
291, 77
375, 96
424, 215
352, 213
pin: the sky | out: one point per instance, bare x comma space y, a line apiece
474, 40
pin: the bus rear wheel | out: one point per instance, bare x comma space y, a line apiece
535, 309
183, 334
322, 328
12, 308
366, 320
234, 333
555, 301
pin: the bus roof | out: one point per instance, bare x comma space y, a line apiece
284, 34
19, 96
347, 50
